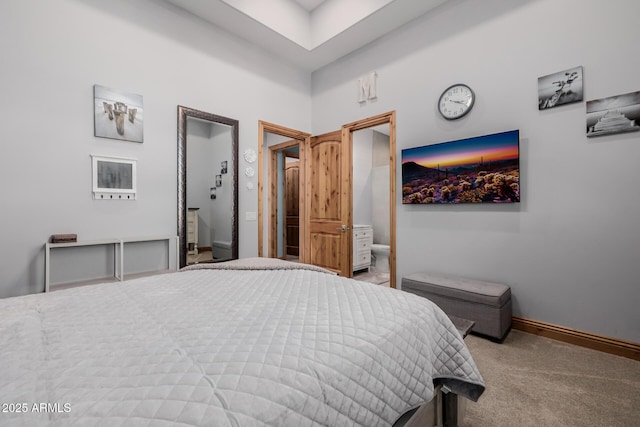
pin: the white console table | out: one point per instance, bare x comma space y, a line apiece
118, 255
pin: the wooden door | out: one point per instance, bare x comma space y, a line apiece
292, 208
328, 203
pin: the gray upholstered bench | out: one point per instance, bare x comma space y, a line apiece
487, 304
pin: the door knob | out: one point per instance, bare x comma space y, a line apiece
343, 228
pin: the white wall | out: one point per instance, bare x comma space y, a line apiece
361, 177
380, 194
53, 52
370, 182
571, 249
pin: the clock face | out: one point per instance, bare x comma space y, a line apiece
456, 101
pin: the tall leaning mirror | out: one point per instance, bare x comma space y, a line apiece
207, 187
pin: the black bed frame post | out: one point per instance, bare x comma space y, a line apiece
450, 410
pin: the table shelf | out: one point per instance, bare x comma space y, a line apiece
118, 259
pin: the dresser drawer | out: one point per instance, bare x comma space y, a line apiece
361, 259
362, 233
362, 243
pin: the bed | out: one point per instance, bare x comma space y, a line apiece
244, 343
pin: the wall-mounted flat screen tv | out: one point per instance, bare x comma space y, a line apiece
483, 169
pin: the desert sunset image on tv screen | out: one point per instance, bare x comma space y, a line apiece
483, 169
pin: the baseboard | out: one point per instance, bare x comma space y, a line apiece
615, 346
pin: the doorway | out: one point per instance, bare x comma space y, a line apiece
373, 146
276, 144
324, 240
371, 207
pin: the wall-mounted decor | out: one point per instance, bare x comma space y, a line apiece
249, 155
218, 180
367, 88
114, 178
560, 88
117, 115
615, 114
212, 193
484, 169
456, 101
223, 167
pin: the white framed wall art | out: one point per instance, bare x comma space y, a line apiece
114, 178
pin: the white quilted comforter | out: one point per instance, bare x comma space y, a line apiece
226, 347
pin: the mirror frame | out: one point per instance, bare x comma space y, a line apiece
183, 114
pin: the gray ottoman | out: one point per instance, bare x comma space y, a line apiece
487, 304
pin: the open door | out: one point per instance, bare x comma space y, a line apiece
328, 203
325, 194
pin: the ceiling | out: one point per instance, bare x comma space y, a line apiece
309, 5
308, 33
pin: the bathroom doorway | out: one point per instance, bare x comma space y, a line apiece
373, 183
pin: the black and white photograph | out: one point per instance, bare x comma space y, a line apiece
117, 114
223, 167
564, 87
114, 178
615, 114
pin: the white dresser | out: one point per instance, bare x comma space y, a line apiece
362, 241
192, 231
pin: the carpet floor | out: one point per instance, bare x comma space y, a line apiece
373, 276
538, 382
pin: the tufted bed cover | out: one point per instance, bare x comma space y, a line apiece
247, 343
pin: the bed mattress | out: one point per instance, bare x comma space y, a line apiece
249, 343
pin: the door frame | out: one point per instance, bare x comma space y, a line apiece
299, 139
347, 136
304, 141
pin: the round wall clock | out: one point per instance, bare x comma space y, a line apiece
456, 101
249, 156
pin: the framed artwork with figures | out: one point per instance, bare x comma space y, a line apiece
117, 114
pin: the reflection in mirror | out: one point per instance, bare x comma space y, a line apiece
207, 187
